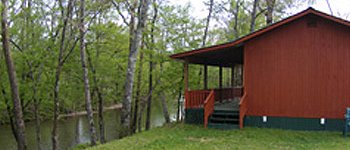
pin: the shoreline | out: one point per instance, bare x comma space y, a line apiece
73, 114
82, 113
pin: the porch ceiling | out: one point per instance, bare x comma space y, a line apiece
225, 57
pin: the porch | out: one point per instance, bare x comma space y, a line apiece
220, 108
218, 105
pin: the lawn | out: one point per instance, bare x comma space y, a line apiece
180, 136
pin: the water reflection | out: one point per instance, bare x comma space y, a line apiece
72, 131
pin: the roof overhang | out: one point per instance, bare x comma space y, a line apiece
228, 53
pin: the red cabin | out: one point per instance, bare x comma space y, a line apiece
296, 75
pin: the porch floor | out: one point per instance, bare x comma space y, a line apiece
230, 105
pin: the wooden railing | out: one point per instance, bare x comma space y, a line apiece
242, 109
209, 107
196, 98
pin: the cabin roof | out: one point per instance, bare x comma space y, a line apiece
223, 54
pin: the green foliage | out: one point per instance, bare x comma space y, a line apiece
35, 34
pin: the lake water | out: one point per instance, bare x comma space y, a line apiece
72, 131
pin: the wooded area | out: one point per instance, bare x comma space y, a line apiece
60, 57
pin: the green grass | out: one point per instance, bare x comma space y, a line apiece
180, 136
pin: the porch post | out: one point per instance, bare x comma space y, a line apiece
186, 76
220, 77
242, 75
233, 76
186, 84
205, 77
233, 81
220, 83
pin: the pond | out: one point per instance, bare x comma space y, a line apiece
74, 130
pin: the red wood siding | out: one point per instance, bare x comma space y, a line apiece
299, 71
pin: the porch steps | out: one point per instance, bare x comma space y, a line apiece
224, 119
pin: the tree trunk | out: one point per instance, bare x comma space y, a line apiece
269, 13
86, 75
149, 100
138, 93
129, 82
36, 84
329, 7
236, 14
208, 22
164, 105
150, 80
100, 98
139, 118
253, 15
56, 112
138, 86
9, 111
21, 143
36, 111
179, 100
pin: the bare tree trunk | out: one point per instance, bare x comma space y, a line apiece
253, 15
86, 75
179, 100
100, 98
36, 84
139, 118
54, 137
164, 105
329, 7
36, 109
9, 111
269, 13
151, 65
236, 14
126, 109
149, 100
208, 22
138, 93
21, 143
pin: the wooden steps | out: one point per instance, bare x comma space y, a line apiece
224, 119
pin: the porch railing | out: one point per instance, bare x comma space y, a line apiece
242, 109
209, 107
196, 98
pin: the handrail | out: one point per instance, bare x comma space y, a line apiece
242, 109
209, 107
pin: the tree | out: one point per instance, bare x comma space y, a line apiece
85, 75
163, 99
129, 82
138, 91
60, 63
236, 15
329, 7
253, 15
270, 4
211, 3
20, 127
151, 66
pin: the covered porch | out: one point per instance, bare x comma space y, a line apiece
222, 105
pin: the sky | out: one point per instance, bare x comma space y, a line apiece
340, 8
